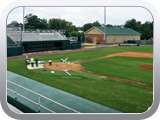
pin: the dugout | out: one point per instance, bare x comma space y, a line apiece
37, 46
38, 41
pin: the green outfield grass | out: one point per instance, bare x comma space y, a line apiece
123, 67
90, 45
83, 55
117, 95
63, 74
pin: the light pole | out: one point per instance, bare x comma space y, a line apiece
21, 38
105, 25
23, 18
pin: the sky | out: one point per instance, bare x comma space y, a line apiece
82, 15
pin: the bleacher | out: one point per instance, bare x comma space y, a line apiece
32, 36
38, 40
10, 42
51, 36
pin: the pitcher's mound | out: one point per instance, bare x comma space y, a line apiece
148, 67
60, 66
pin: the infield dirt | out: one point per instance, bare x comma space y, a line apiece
147, 67
76, 66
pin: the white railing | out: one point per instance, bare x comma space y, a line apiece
39, 96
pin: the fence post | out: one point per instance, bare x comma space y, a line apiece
16, 91
39, 104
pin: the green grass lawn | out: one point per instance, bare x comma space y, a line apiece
117, 95
74, 74
122, 67
90, 45
83, 55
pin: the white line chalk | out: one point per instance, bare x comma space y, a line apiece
67, 72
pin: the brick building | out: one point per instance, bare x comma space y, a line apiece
114, 35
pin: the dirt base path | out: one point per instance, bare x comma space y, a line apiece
76, 66
123, 54
118, 79
148, 67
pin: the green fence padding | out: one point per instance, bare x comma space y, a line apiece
76, 45
19, 105
13, 51
66, 45
140, 42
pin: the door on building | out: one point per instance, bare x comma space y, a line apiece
94, 39
114, 41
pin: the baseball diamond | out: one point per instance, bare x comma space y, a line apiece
80, 65
97, 72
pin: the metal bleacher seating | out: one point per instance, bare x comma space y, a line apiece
34, 36
10, 42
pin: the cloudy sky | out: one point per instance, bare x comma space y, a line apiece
82, 15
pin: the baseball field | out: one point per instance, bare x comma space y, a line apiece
120, 78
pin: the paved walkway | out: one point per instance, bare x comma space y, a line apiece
79, 104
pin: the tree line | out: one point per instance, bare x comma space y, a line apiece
33, 22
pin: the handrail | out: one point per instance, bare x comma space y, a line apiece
31, 100
39, 96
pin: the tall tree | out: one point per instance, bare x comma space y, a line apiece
33, 22
70, 29
145, 29
57, 24
43, 24
87, 26
109, 25
74, 34
131, 24
96, 24
14, 23
61, 24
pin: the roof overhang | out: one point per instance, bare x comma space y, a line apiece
93, 28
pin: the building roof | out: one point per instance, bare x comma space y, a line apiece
118, 31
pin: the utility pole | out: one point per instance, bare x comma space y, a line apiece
105, 25
21, 39
23, 19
